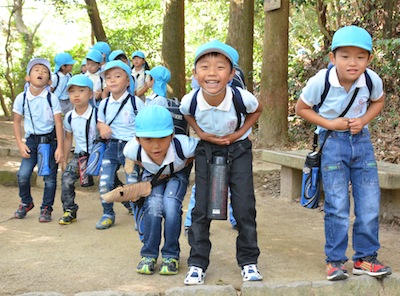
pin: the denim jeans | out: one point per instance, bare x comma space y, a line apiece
25, 172
69, 178
348, 159
164, 201
113, 158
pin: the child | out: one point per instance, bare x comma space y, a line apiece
59, 80
348, 155
105, 51
41, 113
119, 55
116, 122
83, 66
93, 65
139, 66
156, 148
79, 123
223, 132
159, 77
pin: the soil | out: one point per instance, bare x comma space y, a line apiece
76, 258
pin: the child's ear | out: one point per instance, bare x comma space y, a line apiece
232, 73
332, 58
49, 82
27, 78
138, 140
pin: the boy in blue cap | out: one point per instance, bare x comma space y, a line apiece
80, 126
116, 123
139, 66
93, 66
223, 131
59, 80
348, 155
41, 112
162, 153
159, 77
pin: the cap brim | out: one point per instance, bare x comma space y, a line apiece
155, 134
210, 50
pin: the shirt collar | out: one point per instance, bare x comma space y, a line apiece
224, 106
120, 100
334, 79
169, 157
30, 96
85, 115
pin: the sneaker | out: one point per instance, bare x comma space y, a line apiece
250, 273
22, 210
45, 215
335, 271
371, 266
146, 265
105, 222
195, 276
169, 266
68, 217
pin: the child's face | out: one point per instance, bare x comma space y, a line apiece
39, 76
79, 96
117, 81
138, 62
83, 68
213, 72
66, 69
350, 63
92, 67
156, 148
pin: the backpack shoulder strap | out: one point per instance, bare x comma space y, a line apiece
193, 103
58, 80
178, 148
133, 101
368, 81
238, 100
49, 100
70, 118
139, 153
105, 106
326, 87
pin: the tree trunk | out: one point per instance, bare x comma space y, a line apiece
241, 35
388, 19
173, 45
95, 20
273, 123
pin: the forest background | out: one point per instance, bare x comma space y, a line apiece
279, 49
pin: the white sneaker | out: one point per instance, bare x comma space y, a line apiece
195, 276
251, 273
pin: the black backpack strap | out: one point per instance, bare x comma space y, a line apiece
70, 118
133, 101
178, 148
139, 153
368, 81
193, 103
58, 80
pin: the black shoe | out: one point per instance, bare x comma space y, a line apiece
68, 217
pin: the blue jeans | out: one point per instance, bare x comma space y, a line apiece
113, 158
164, 201
192, 202
350, 158
25, 172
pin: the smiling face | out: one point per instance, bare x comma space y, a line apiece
156, 148
79, 96
213, 72
117, 81
350, 63
39, 76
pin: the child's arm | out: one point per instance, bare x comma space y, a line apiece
104, 130
142, 90
305, 111
203, 135
23, 149
67, 149
59, 154
375, 107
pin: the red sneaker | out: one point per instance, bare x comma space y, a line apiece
371, 266
336, 271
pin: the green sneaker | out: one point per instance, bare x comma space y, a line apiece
105, 222
169, 266
146, 265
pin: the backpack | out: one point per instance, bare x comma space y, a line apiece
327, 86
238, 80
58, 80
180, 124
240, 108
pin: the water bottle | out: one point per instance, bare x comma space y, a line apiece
310, 184
218, 189
84, 178
96, 157
43, 156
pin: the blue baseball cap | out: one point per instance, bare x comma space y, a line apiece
83, 62
61, 59
80, 80
138, 54
103, 47
115, 53
126, 68
154, 121
214, 46
95, 56
37, 61
234, 54
161, 76
352, 36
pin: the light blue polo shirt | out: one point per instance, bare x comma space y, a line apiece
188, 148
123, 127
219, 120
155, 99
77, 128
338, 98
61, 90
38, 109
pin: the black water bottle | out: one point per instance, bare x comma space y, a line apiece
218, 189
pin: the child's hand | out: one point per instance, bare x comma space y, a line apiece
97, 94
222, 141
105, 131
59, 155
339, 124
63, 166
356, 125
24, 151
